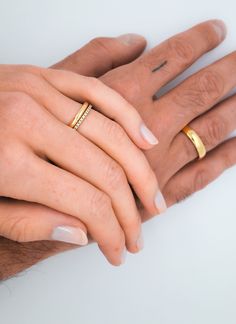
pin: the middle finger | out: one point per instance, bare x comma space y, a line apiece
197, 94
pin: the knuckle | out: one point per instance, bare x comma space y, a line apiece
147, 62
181, 50
21, 108
201, 180
115, 175
17, 100
97, 42
214, 131
94, 82
177, 196
15, 106
15, 165
100, 46
100, 205
210, 86
203, 90
114, 131
18, 228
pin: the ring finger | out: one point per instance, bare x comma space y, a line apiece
74, 153
213, 128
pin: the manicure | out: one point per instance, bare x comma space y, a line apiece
160, 202
148, 135
220, 28
130, 39
68, 234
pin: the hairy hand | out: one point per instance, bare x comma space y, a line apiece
187, 103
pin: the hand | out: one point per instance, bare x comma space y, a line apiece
88, 183
113, 53
196, 102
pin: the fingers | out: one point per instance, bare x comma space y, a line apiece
24, 176
199, 174
104, 132
213, 128
68, 194
87, 161
111, 138
106, 100
77, 87
103, 54
199, 92
167, 60
27, 222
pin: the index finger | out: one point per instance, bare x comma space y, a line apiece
165, 61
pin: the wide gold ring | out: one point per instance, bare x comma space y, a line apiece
196, 140
81, 115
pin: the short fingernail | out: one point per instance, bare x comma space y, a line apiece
70, 234
123, 256
140, 242
220, 28
160, 202
130, 39
148, 135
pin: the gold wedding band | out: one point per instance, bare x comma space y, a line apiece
80, 116
196, 140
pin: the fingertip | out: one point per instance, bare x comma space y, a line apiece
220, 28
148, 136
160, 202
132, 39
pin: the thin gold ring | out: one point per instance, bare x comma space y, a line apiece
79, 114
85, 114
196, 140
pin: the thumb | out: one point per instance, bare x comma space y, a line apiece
102, 54
26, 222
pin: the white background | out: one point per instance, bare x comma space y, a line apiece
187, 272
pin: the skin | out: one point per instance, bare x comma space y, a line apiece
93, 165
190, 102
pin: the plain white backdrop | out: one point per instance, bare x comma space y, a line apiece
187, 272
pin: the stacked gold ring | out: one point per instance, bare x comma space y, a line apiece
196, 140
81, 115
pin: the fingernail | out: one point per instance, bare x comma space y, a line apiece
160, 202
130, 39
70, 234
220, 28
140, 243
148, 135
123, 256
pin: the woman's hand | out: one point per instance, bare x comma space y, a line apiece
83, 176
134, 82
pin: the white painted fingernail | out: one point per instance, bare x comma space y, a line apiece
140, 242
123, 256
148, 135
130, 39
160, 202
220, 28
70, 234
